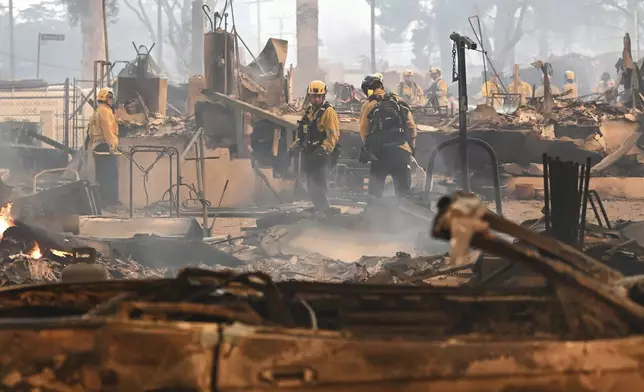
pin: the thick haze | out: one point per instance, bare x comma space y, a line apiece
344, 33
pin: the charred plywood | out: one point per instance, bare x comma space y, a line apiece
153, 91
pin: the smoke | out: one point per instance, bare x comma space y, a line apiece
382, 230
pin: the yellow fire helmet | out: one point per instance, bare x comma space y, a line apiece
569, 75
316, 87
379, 75
103, 94
408, 72
435, 70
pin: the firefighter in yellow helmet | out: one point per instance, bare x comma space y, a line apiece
388, 132
490, 90
553, 89
409, 90
520, 87
382, 77
607, 88
317, 139
570, 85
104, 140
437, 92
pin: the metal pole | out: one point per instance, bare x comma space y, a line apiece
12, 52
38, 59
160, 32
107, 55
462, 115
373, 36
66, 118
202, 159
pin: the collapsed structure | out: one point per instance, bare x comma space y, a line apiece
454, 304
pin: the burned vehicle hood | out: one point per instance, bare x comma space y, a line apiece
205, 331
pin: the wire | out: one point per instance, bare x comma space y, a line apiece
193, 194
314, 318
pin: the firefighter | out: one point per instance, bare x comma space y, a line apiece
520, 87
409, 90
437, 92
317, 138
104, 141
489, 89
606, 83
570, 89
554, 90
388, 133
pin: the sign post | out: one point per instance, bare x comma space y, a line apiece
46, 37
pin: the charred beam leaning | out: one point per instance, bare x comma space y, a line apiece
461, 43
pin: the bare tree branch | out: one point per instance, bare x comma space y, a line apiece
144, 19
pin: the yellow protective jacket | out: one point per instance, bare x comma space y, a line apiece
602, 87
368, 106
328, 125
439, 88
522, 88
487, 90
572, 87
103, 127
553, 89
413, 94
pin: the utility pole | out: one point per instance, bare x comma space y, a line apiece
373, 36
160, 32
12, 52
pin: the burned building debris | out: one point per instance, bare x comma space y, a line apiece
210, 272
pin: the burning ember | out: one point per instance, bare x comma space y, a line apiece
60, 253
35, 252
6, 221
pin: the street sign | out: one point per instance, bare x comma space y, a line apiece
52, 37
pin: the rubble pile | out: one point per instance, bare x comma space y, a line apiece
21, 268
576, 112
588, 113
154, 125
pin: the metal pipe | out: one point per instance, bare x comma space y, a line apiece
582, 229
170, 184
191, 144
200, 193
429, 182
132, 185
66, 112
546, 192
202, 163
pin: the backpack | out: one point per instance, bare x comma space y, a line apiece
387, 116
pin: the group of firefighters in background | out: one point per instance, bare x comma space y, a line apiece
492, 92
387, 127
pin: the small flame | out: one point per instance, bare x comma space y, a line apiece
35, 253
6, 221
60, 253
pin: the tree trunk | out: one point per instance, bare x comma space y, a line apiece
91, 23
